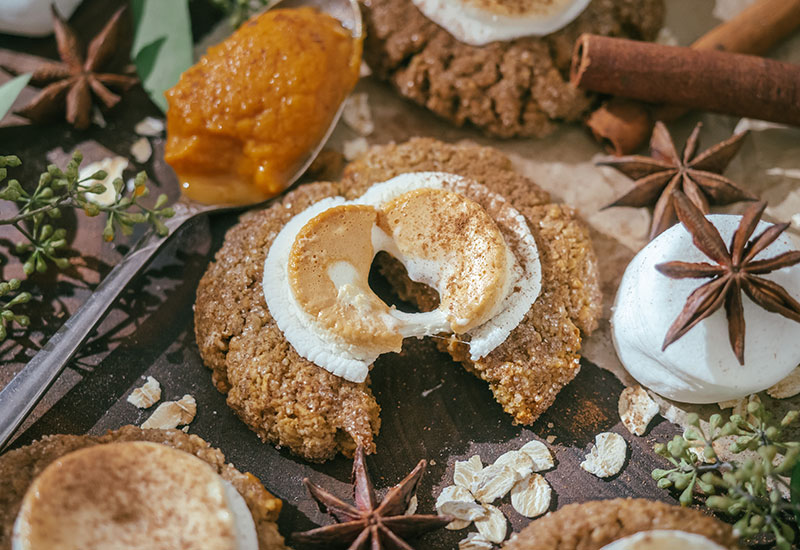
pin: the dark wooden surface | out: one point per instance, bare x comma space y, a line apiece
432, 408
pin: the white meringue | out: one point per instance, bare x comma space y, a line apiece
700, 367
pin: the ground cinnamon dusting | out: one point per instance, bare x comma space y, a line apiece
520, 7
457, 234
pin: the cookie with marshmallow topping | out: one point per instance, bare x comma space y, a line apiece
290, 400
499, 65
132, 488
623, 524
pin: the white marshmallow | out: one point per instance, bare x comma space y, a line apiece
243, 524
663, 539
700, 367
478, 25
333, 354
32, 17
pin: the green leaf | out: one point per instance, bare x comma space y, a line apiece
9, 92
162, 45
794, 492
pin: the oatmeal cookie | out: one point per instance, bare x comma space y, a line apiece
290, 401
516, 88
19, 467
592, 525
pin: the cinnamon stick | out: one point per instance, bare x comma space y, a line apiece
735, 84
621, 125
625, 125
755, 30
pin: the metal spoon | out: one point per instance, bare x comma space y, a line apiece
19, 397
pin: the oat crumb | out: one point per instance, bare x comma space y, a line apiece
147, 395
357, 114
171, 414
141, 150
607, 456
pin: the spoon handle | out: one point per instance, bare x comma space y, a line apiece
19, 397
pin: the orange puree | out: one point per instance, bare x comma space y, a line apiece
245, 117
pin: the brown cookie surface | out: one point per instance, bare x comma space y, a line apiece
592, 525
292, 402
19, 467
515, 88
283, 397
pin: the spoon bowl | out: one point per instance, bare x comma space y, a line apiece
25, 390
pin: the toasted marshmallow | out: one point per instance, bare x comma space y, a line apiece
132, 495
315, 275
451, 244
663, 539
700, 367
479, 22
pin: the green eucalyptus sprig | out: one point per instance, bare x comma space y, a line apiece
747, 489
10, 296
39, 210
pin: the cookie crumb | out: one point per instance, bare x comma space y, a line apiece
636, 409
729, 404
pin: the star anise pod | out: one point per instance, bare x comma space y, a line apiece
71, 83
660, 176
734, 270
370, 523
